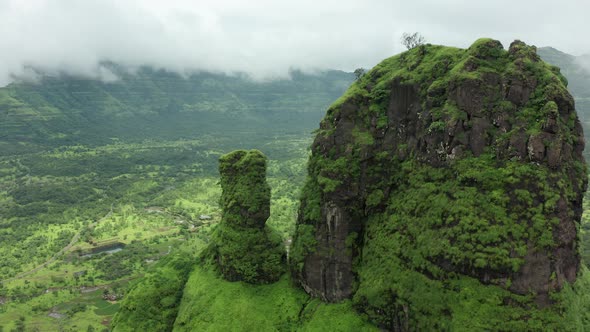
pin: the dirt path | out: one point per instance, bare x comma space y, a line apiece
53, 258
90, 289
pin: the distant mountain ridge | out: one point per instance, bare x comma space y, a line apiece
577, 71
156, 104
150, 103
575, 68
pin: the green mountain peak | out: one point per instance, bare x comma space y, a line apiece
444, 192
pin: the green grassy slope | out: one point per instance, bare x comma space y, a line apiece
152, 303
212, 304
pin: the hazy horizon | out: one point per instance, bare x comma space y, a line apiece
262, 38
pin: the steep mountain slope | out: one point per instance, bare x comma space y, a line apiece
445, 192
155, 104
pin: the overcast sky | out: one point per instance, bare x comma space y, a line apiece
265, 37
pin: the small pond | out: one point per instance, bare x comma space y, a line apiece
107, 249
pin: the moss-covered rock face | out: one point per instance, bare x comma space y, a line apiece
242, 247
445, 191
245, 196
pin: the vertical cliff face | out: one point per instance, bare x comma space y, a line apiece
328, 271
444, 171
242, 247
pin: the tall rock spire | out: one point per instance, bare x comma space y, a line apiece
242, 247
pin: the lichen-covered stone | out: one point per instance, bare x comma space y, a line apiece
442, 176
242, 247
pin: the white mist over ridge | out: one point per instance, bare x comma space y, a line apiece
263, 38
584, 62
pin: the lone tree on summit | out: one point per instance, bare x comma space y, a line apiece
412, 40
359, 72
